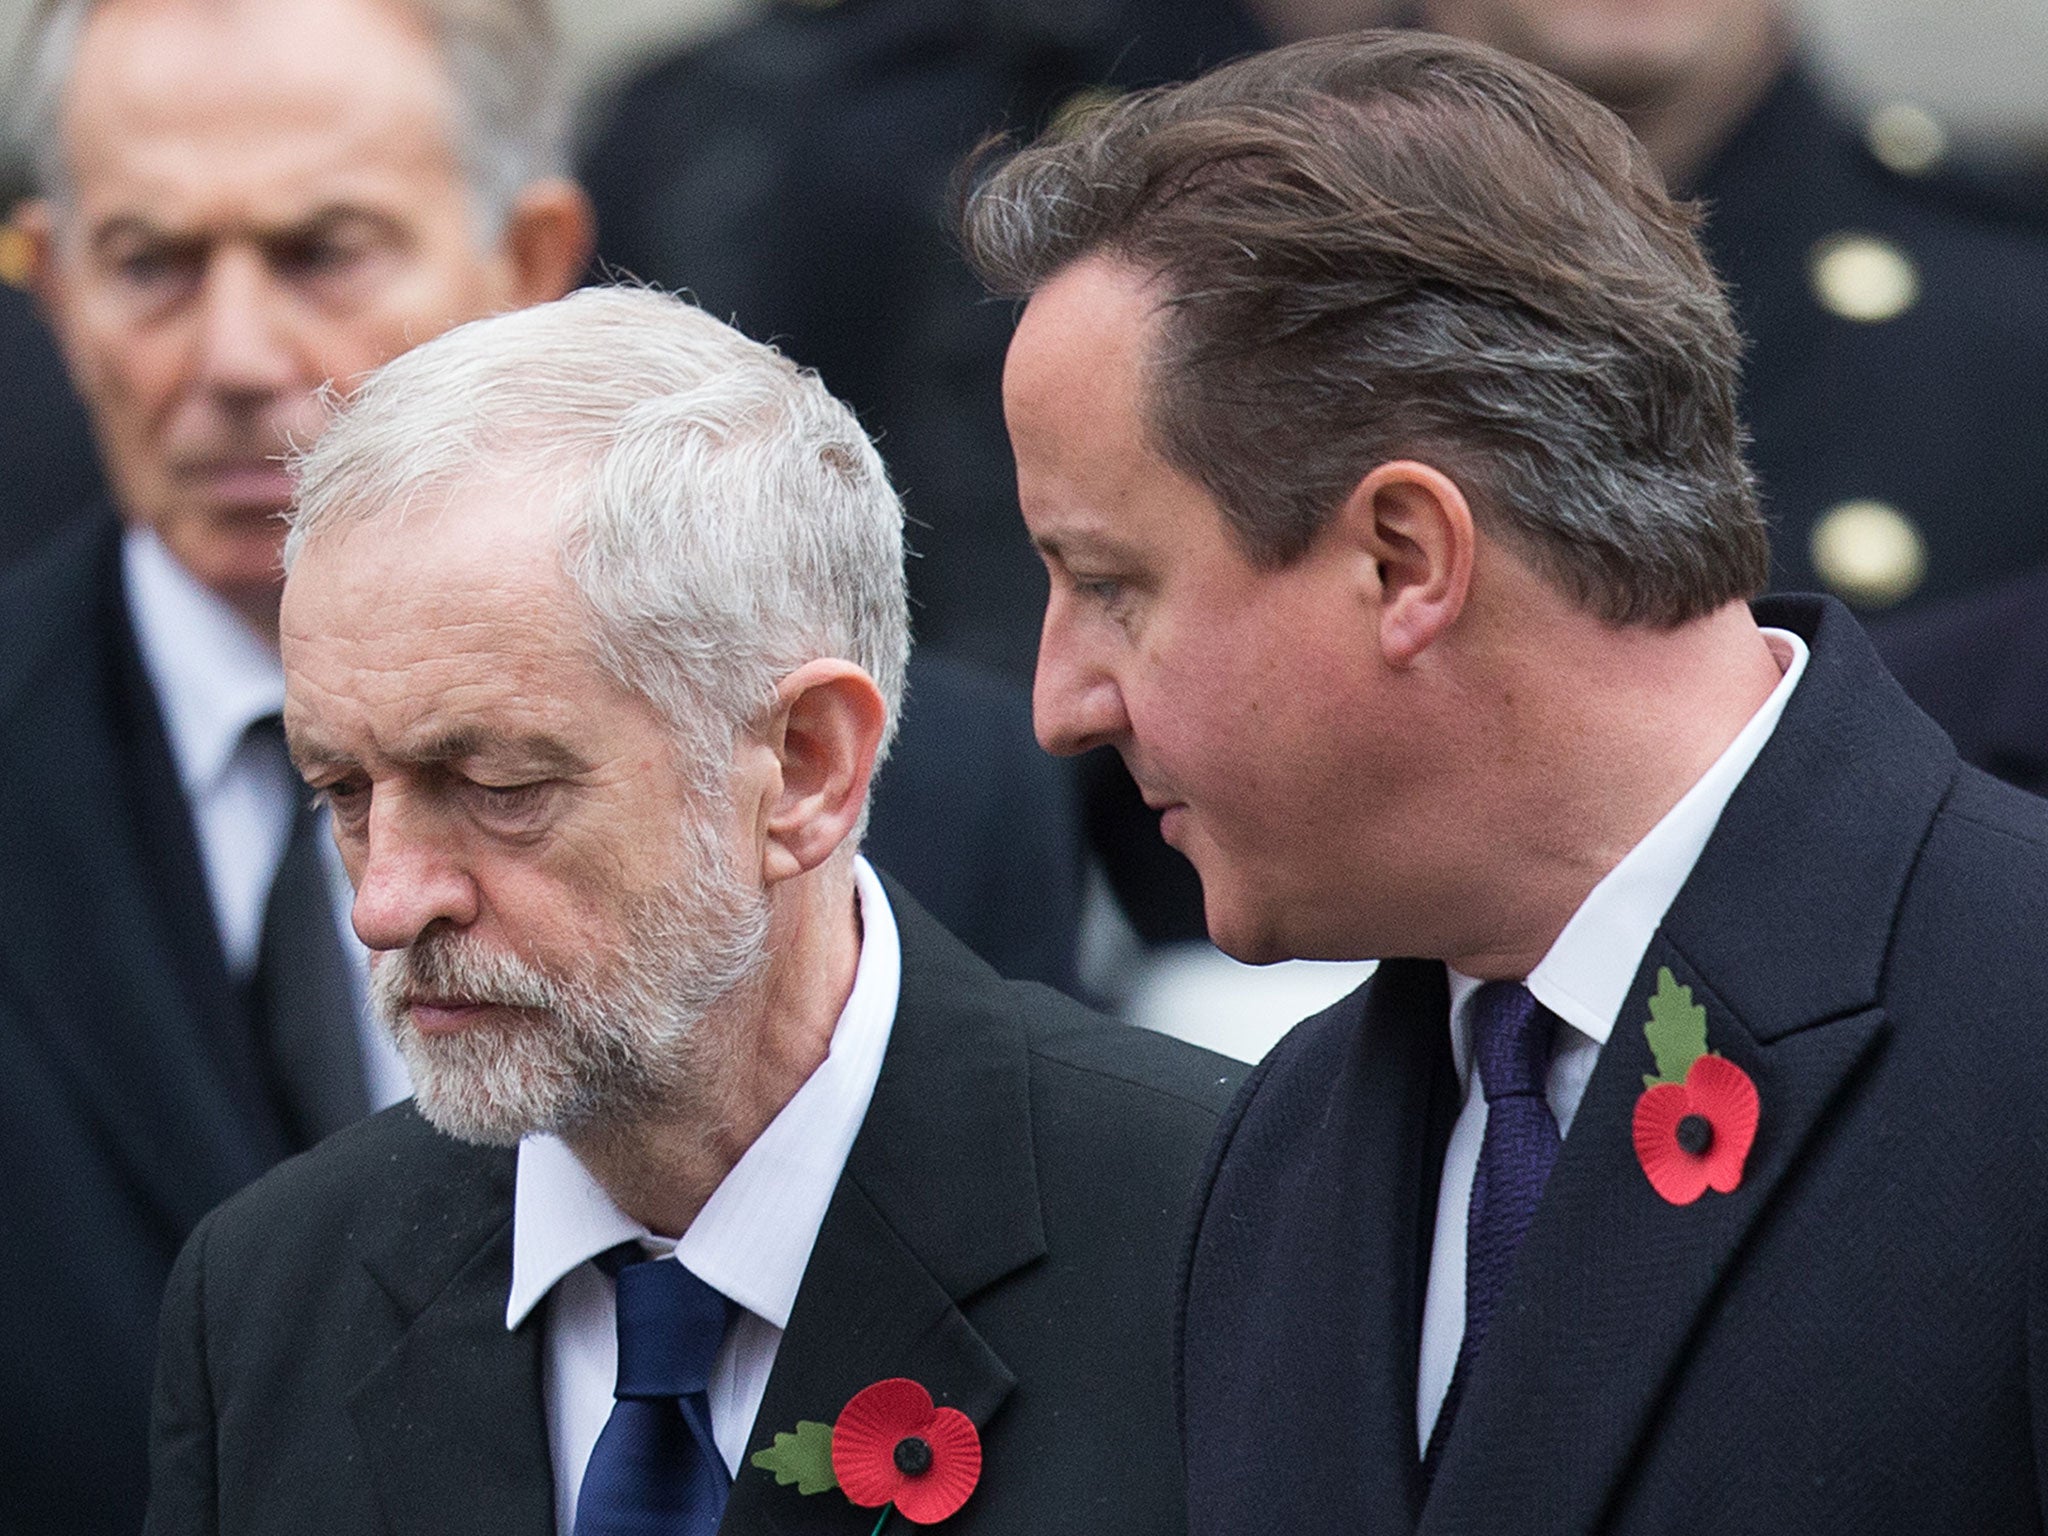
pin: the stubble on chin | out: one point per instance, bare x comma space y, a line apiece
644, 1035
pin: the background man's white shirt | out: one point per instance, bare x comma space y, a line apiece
213, 679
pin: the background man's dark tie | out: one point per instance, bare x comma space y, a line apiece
302, 996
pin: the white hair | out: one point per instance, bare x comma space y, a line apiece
501, 57
722, 516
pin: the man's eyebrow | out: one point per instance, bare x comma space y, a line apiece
318, 223
134, 226
533, 753
1084, 544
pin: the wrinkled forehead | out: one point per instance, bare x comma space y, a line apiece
488, 545
189, 95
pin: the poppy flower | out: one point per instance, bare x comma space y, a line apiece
1694, 1136
891, 1446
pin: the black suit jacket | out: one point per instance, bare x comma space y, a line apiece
129, 1097
1852, 1341
335, 1357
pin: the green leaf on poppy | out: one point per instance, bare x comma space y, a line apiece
804, 1458
1677, 1030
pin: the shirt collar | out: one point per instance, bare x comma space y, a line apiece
753, 1238
212, 677
1585, 976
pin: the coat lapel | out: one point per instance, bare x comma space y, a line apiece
450, 1419
1405, 1072
1331, 1173
1613, 1281
1782, 932
939, 1201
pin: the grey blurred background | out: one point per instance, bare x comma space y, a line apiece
1981, 66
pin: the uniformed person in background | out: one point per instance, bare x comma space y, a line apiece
1897, 311
795, 173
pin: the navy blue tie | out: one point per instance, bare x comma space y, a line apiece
1512, 1036
655, 1468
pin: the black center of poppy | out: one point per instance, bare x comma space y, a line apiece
913, 1456
1696, 1134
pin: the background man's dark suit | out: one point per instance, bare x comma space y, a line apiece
1849, 1342
1003, 1234
130, 1097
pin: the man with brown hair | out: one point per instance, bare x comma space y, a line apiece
1373, 408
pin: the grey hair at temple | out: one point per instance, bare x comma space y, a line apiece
723, 517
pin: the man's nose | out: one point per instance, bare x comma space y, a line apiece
246, 344
411, 878
1076, 701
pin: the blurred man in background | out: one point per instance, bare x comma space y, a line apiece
243, 202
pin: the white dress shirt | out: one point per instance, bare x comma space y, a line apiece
1584, 979
213, 679
750, 1242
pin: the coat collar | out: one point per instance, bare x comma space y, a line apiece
451, 1418
939, 1201
1782, 931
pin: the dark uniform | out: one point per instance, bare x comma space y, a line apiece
795, 174
1897, 382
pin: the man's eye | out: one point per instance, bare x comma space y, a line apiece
1106, 592
155, 270
512, 802
347, 800
305, 260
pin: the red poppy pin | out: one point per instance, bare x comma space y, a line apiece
891, 1447
1696, 1120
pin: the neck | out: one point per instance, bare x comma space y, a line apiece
762, 1045
1596, 732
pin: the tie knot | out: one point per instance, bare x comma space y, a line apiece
670, 1327
1511, 1040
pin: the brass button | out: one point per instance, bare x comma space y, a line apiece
1863, 278
1906, 138
1869, 553
15, 256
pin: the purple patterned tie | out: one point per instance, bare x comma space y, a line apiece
1512, 1035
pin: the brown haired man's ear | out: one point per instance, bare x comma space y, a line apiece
549, 237
1416, 526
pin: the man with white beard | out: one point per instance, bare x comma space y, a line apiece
594, 633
